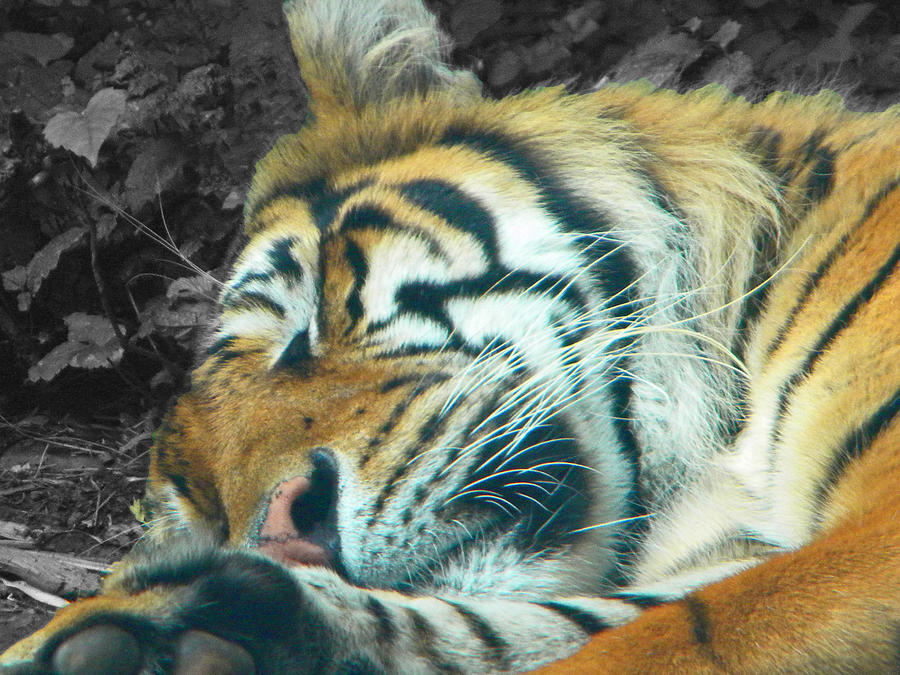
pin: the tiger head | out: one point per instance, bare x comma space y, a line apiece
416, 377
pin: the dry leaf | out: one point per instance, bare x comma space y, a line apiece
42, 48
92, 343
26, 280
83, 133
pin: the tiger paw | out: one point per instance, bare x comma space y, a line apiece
188, 613
111, 650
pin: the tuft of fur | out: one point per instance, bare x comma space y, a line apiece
370, 52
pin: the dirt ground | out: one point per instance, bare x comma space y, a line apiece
114, 229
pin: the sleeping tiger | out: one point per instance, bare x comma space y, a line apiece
599, 383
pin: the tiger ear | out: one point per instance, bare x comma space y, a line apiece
355, 53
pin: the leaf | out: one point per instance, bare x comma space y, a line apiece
153, 171
841, 47
106, 223
726, 34
200, 287
473, 16
27, 280
853, 16
42, 48
92, 343
83, 133
190, 303
139, 511
233, 200
660, 59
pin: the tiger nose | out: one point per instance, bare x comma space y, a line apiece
300, 524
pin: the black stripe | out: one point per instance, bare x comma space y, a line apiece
665, 201
254, 301
856, 443
423, 634
641, 600
801, 159
297, 353
425, 383
836, 251
756, 290
363, 216
248, 278
323, 201
765, 143
496, 648
428, 299
809, 285
589, 622
456, 208
429, 429
386, 629
451, 454
223, 343
400, 381
820, 181
359, 267
818, 186
812, 143
560, 486
225, 355
283, 261
701, 627
613, 271
366, 216
838, 323
419, 494
180, 483
453, 343
616, 272
391, 484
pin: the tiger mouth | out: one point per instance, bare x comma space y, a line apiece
299, 552
299, 526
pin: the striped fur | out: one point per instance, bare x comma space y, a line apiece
618, 371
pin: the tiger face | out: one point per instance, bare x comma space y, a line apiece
404, 387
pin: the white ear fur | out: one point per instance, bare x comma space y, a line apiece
370, 51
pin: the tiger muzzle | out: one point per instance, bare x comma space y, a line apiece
300, 526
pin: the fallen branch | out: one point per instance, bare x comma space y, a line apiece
56, 573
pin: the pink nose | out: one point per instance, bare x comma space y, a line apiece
279, 537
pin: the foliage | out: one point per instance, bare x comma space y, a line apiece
83, 133
122, 173
92, 343
25, 280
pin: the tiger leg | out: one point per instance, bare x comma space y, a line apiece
832, 606
235, 613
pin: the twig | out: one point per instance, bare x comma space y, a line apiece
102, 291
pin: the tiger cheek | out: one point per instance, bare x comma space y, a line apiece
230, 452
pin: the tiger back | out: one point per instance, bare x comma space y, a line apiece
611, 378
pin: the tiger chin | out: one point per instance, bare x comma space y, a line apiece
588, 383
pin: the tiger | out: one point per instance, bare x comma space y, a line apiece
600, 383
